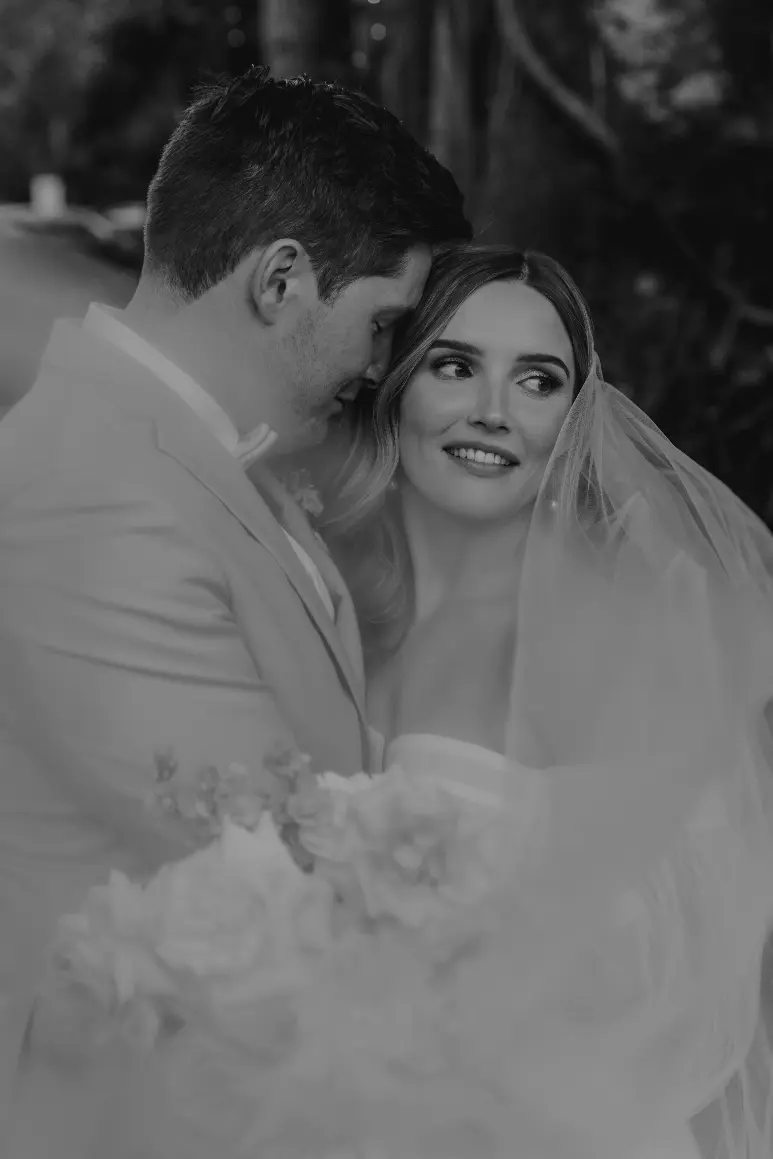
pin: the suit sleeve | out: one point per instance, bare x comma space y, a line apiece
117, 638
120, 638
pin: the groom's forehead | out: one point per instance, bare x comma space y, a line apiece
397, 295
407, 285
399, 292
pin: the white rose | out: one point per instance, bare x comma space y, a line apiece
239, 914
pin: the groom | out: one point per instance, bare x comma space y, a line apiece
152, 596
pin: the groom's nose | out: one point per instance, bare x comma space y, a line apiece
376, 372
382, 351
372, 377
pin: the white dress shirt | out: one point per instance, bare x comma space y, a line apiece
104, 322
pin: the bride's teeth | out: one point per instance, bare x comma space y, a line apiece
486, 458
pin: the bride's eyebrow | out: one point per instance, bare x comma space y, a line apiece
476, 352
550, 359
461, 347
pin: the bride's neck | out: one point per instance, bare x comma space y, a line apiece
457, 559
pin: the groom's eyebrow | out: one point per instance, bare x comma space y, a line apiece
390, 314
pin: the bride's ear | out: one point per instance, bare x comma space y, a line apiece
282, 281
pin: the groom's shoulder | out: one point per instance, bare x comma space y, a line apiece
77, 462
99, 524
47, 433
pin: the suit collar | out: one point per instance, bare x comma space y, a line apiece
108, 325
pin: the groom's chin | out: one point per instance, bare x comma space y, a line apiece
316, 432
311, 434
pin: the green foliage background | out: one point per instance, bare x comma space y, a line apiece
632, 139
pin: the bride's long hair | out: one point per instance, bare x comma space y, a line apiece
361, 521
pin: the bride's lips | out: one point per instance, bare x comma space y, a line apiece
482, 470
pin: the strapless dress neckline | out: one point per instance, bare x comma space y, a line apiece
469, 769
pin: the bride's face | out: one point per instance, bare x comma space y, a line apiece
481, 415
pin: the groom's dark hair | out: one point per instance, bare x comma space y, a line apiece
256, 158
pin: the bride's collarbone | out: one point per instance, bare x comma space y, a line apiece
460, 610
450, 676
485, 629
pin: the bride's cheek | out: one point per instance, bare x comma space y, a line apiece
541, 437
429, 406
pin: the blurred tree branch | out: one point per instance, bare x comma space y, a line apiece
580, 112
595, 129
450, 127
406, 74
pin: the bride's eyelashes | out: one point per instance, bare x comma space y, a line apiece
438, 365
547, 383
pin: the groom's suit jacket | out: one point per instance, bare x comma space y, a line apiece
149, 599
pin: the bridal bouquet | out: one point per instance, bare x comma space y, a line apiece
283, 989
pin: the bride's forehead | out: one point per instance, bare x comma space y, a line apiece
503, 314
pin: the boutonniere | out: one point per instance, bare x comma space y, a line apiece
301, 488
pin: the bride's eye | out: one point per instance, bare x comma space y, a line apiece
539, 382
446, 368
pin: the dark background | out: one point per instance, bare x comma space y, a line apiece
631, 139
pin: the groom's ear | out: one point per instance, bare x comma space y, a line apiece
282, 279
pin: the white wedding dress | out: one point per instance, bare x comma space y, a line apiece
479, 774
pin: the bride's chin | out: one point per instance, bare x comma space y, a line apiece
468, 499
482, 512
490, 499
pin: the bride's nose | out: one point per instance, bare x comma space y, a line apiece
491, 409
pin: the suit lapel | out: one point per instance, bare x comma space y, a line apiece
295, 522
201, 454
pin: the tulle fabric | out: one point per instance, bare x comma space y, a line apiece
643, 672
612, 994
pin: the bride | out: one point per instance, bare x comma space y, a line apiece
545, 584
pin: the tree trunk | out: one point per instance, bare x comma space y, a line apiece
529, 194
289, 35
406, 70
496, 143
451, 129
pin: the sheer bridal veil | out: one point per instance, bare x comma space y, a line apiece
633, 931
